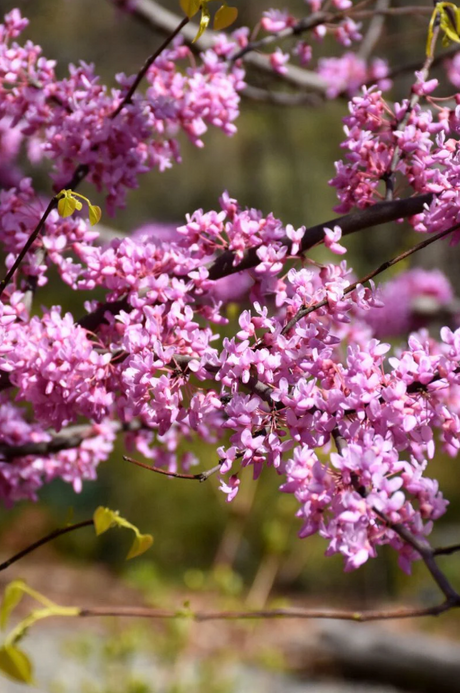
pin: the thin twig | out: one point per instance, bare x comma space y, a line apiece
421, 546
148, 63
45, 540
200, 476
202, 616
83, 169
446, 550
424, 549
381, 268
30, 241
389, 175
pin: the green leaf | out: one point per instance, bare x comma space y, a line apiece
449, 21
204, 22
104, 518
11, 598
94, 214
190, 7
141, 544
224, 17
67, 204
15, 664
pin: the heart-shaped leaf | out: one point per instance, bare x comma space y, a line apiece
15, 664
104, 518
11, 598
94, 214
190, 7
224, 17
67, 205
140, 545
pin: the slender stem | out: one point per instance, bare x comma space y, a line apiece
381, 268
9, 275
388, 177
45, 540
201, 616
446, 550
201, 476
358, 220
82, 170
141, 74
427, 554
421, 546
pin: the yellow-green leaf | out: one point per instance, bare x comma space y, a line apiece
104, 518
94, 214
449, 19
66, 206
190, 7
224, 17
140, 545
11, 598
15, 664
204, 22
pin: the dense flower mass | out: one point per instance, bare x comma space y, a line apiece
305, 384
75, 121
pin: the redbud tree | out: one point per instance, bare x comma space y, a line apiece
307, 384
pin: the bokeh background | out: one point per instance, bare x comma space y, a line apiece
247, 553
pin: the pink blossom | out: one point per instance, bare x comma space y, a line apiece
278, 61
332, 238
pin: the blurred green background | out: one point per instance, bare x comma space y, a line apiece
279, 161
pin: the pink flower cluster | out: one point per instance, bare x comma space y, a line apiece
150, 361
72, 119
344, 74
424, 146
325, 377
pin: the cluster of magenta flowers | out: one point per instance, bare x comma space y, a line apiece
424, 144
349, 422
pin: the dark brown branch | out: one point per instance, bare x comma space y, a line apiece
380, 213
427, 554
303, 25
30, 241
421, 546
148, 63
69, 438
82, 170
45, 540
91, 321
359, 220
